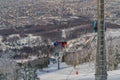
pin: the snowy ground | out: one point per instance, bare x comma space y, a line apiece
86, 72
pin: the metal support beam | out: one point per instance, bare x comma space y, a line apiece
58, 62
101, 65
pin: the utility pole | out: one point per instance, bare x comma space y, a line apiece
101, 68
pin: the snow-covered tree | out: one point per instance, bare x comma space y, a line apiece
8, 67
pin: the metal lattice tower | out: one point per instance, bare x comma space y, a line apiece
101, 68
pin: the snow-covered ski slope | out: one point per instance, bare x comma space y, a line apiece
86, 71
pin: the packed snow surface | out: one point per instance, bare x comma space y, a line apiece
86, 71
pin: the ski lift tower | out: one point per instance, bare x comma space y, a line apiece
61, 48
60, 45
101, 65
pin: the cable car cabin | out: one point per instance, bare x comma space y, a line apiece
61, 43
56, 43
95, 23
64, 44
95, 26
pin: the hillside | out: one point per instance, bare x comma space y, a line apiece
54, 31
86, 71
41, 12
